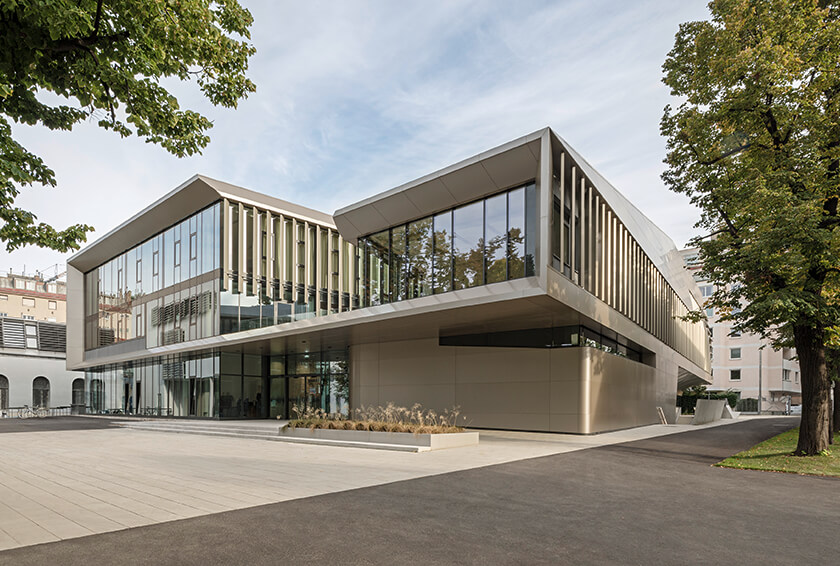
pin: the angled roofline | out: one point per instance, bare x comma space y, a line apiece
194, 194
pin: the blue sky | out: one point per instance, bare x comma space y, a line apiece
354, 98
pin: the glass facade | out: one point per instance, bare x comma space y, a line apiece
486, 241
223, 385
280, 269
175, 386
556, 337
164, 290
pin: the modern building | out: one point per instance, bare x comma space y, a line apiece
517, 284
745, 362
33, 368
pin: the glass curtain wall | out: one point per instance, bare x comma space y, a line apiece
308, 381
164, 290
174, 386
279, 269
486, 241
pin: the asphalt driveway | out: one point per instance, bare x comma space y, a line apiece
52, 424
644, 502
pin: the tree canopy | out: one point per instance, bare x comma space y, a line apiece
63, 62
755, 143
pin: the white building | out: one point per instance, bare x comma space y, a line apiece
744, 362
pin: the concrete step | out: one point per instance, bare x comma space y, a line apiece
264, 434
205, 429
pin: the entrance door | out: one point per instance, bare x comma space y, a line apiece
254, 401
278, 408
297, 395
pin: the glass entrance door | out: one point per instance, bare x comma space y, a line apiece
278, 408
297, 394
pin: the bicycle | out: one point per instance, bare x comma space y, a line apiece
42, 412
25, 412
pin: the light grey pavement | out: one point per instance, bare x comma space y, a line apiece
73, 483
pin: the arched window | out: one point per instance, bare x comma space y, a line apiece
41, 392
78, 403
4, 393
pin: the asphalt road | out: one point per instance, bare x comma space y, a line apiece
50, 424
656, 501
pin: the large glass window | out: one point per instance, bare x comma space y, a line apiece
119, 292
487, 241
468, 246
495, 238
516, 234
420, 244
443, 252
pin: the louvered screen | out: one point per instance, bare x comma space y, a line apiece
14, 335
52, 337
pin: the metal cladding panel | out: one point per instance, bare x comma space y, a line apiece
658, 246
481, 175
513, 167
433, 195
190, 197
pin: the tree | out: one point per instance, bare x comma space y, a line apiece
755, 144
62, 62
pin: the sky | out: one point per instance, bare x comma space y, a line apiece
356, 97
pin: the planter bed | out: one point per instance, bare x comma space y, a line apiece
423, 441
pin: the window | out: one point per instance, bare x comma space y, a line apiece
41, 392
139, 269
796, 377
707, 290
178, 253
155, 263
78, 398
52, 305
4, 392
735, 353
735, 334
735, 375
27, 317
710, 312
27, 302
194, 245
4, 314
785, 375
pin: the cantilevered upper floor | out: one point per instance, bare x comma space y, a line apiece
524, 236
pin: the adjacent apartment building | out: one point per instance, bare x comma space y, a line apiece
33, 340
517, 284
744, 362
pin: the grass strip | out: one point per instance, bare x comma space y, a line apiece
776, 455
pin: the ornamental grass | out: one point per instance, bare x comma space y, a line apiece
390, 418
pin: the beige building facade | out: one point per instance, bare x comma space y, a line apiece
745, 362
517, 284
32, 297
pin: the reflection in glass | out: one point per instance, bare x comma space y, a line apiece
516, 234
495, 244
468, 245
398, 263
420, 246
443, 252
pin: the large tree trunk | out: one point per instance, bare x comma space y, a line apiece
816, 387
835, 427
